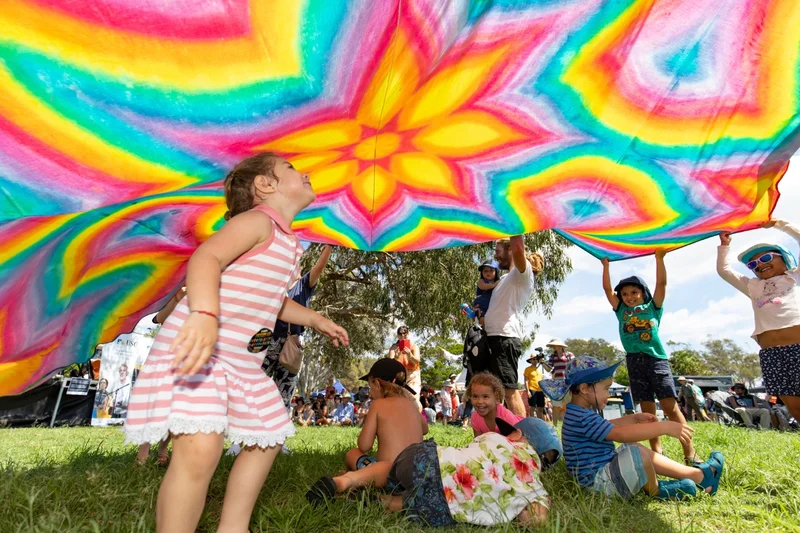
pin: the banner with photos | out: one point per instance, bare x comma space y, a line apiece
120, 363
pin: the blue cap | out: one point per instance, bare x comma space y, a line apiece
583, 369
755, 251
491, 263
634, 280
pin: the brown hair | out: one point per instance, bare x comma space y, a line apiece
239, 194
392, 390
535, 259
487, 380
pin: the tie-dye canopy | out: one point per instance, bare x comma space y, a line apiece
625, 124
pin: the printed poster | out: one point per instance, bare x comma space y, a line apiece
120, 363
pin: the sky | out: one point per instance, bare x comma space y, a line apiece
698, 302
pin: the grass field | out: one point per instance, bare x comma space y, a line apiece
83, 479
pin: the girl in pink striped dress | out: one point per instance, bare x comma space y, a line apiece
203, 381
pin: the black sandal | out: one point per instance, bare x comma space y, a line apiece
322, 490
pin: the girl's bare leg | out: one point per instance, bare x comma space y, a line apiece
163, 448
673, 412
143, 454
249, 472
655, 444
182, 495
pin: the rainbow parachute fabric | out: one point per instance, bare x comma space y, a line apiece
625, 124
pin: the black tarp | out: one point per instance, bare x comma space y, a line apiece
35, 407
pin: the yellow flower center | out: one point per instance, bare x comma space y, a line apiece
377, 146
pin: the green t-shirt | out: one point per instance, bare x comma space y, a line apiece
638, 329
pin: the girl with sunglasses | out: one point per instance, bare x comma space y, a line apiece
776, 305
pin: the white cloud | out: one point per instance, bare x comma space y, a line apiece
582, 306
730, 317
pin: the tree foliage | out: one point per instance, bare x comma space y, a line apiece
599, 348
436, 367
723, 356
370, 293
685, 361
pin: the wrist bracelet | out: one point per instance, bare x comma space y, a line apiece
209, 313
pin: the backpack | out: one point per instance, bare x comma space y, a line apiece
476, 350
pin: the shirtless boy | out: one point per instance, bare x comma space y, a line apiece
393, 418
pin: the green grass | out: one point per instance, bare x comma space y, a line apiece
83, 479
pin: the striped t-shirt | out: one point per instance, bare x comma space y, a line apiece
586, 449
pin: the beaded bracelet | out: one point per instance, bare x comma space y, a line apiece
209, 313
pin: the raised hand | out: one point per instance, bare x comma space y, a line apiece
606, 261
725, 238
768, 224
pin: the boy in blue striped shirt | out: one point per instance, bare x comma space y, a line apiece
588, 441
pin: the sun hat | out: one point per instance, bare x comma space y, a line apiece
491, 263
540, 434
447, 385
634, 280
556, 342
583, 369
681, 378
390, 370
755, 251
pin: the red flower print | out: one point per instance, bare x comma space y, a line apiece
449, 494
465, 480
524, 468
494, 473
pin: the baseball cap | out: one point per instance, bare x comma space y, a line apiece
390, 370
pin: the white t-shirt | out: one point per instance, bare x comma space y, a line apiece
512, 293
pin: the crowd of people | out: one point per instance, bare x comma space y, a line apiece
212, 374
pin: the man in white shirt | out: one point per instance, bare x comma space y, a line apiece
503, 320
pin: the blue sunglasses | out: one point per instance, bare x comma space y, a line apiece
766, 258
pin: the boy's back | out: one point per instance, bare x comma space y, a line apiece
399, 425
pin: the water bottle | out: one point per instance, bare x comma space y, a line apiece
467, 311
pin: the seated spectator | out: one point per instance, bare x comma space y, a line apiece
747, 406
321, 412
299, 405
344, 414
428, 402
305, 417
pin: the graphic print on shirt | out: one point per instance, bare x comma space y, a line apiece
773, 293
633, 323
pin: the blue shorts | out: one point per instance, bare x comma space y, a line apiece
624, 475
650, 377
366, 460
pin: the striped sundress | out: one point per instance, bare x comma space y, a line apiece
230, 394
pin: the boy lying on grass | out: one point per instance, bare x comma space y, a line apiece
393, 418
493, 480
588, 441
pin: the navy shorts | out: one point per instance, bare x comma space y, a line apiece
651, 378
780, 367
